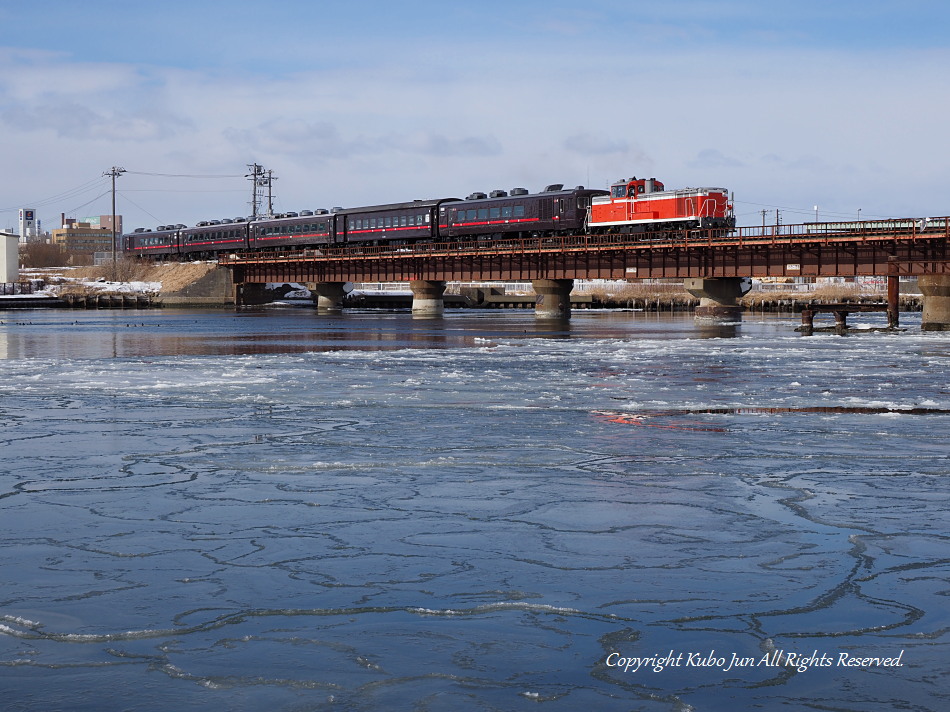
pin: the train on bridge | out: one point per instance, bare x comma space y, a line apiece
639, 207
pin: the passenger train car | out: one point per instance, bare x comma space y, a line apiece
631, 206
500, 214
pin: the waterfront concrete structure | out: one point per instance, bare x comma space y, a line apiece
427, 296
936, 291
553, 298
328, 296
718, 296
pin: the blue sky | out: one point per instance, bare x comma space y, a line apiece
789, 105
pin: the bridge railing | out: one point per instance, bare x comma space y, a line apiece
683, 239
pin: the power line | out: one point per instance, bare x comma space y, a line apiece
79, 207
804, 211
175, 190
65, 195
123, 194
182, 175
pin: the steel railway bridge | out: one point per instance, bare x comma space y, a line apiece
712, 263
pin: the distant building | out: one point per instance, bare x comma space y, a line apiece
9, 257
29, 225
87, 236
103, 221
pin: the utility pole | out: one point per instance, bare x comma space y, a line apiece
260, 179
255, 176
270, 193
115, 173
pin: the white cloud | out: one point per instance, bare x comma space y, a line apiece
824, 127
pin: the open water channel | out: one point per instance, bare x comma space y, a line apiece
275, 510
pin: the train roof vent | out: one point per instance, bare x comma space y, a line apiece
578, 187
336, 209
290, 215
203, 223
139, 229
180, 226
499, 194
519, 191
476, 196
159, 228
320, 211
226, 221
554, 187
306, 213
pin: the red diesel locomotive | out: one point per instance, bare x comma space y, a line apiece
644, 205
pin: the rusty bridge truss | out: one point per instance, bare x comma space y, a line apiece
881, 247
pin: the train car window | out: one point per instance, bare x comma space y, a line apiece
389, 222
560, 204
402, 221
494, 213
519, 211
618, 191
483, 213
506, 211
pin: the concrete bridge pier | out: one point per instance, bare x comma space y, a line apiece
553, 300
328, 296
936, 291
718, 296
250, 294
427, 297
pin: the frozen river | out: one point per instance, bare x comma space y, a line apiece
275, 510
